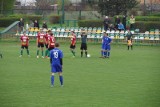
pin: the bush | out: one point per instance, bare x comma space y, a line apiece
5, 22
54, 19
90, 23
146, 26
147, 18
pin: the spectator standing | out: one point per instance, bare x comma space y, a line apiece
132, 22
44, 26
21, 25
117, 21
106, 23
36, 24
124, 19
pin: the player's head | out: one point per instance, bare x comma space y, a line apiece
51, 34
105, 33
56, 44
83, 31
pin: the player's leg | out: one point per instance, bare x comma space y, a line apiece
81, 49
108, 51
38, 50
60, 78
42, 46
52, 79
27, 50
72, 48
85, 48
46, 51
21, 53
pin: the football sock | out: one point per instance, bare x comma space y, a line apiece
108, 54
46, 52
61, 79
37, 52
105, 54
73, 52
21, 52
81, 53
27, 51
128, 47
86, 53
52, 80
42, 52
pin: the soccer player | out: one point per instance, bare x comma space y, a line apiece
108, 46
83, 42
47, 37
51, 42
73, 43
56, 56
40, 42
129, 39
24, 43
106, 41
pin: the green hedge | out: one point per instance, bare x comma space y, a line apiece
147, 18
90, 23
5, 22
146, 26
54, 19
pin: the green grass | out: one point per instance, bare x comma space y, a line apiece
127, 79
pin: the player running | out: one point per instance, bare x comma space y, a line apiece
73, 43
56, 56
24, 43
40, 42
83, 42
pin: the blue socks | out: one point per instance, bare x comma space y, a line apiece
60, 79
52, 80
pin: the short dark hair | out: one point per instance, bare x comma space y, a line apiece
56, 44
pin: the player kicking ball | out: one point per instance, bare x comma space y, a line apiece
56, 56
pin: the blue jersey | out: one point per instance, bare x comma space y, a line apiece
56, 55
106, 43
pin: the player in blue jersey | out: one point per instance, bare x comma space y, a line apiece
108, 46
56, 56
105, 51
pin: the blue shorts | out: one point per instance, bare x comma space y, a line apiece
56, 68
103, 46
108, 47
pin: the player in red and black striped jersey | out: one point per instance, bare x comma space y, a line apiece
47, 37
73, 43
52, 42
40, 42
24, 43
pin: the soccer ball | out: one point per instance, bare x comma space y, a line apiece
88, 55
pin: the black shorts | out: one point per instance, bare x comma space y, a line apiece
40, 45
50, 48
72, 47
26, 47
46, 45
83, 46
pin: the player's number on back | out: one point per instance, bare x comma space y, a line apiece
55, 54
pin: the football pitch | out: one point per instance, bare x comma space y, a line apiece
127, 79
